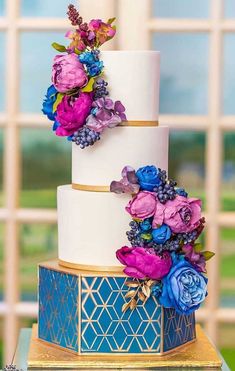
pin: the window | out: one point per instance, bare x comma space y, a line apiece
203, 116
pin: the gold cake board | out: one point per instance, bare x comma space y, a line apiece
199, 354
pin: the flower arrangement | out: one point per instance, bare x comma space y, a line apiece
164, 258
78, 100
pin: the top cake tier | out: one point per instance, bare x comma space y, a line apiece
133, 78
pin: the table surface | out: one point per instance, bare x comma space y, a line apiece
23, 348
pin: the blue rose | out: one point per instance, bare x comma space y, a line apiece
95, 68
148, 177
161, 234
183, 288
181, 192
47, 106
146, 225
87, 58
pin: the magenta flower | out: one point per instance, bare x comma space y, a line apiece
197, 259
142, 206
144, 263
128, 183
68, 73
72, 114
105, 114
101, 31
182, 214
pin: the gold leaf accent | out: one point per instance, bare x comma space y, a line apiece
130, 294
146, 290
141, 296
149, 283
126, 306
132, 284
133, 304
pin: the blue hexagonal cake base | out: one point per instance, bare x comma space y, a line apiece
82, 312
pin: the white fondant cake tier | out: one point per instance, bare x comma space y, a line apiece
91, 226
121, 146
133, 78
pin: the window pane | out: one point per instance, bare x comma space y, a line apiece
2, 8
42, 8
181, 8
46, 163
229, 9
1, 169
227, 264
38, 242
2, 235
229, 76
227, 343
35, 67
2, 70
186, 161
228, 185
184, 72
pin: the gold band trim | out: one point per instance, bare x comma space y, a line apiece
139, 123
96, 268
90, 188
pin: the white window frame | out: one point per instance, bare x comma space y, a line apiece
134, 23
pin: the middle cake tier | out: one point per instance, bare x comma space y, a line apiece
121, 146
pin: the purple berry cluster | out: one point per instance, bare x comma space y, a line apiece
100, 89
85, 137
166, 190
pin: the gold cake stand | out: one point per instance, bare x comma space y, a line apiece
200, 354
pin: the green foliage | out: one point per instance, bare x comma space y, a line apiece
89, 87
59, 98
111, 20
60, 48
208, 255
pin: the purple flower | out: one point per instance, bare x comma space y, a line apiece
128, 183
72, 114
197, 259
144, 263
68, 73
105, 114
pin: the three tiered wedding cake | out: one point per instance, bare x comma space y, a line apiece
87, 303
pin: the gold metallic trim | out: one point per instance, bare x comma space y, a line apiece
139, 123
198, 354
162, 331
79, 309
90, 188
96, 268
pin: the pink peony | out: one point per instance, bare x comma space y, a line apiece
144, 263
143, 205
182, 214
68, 73
72, 114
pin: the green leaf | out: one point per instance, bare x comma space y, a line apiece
198, 247
57, 102
208, 255
60, 48
89, 87
76, 51
111, 20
